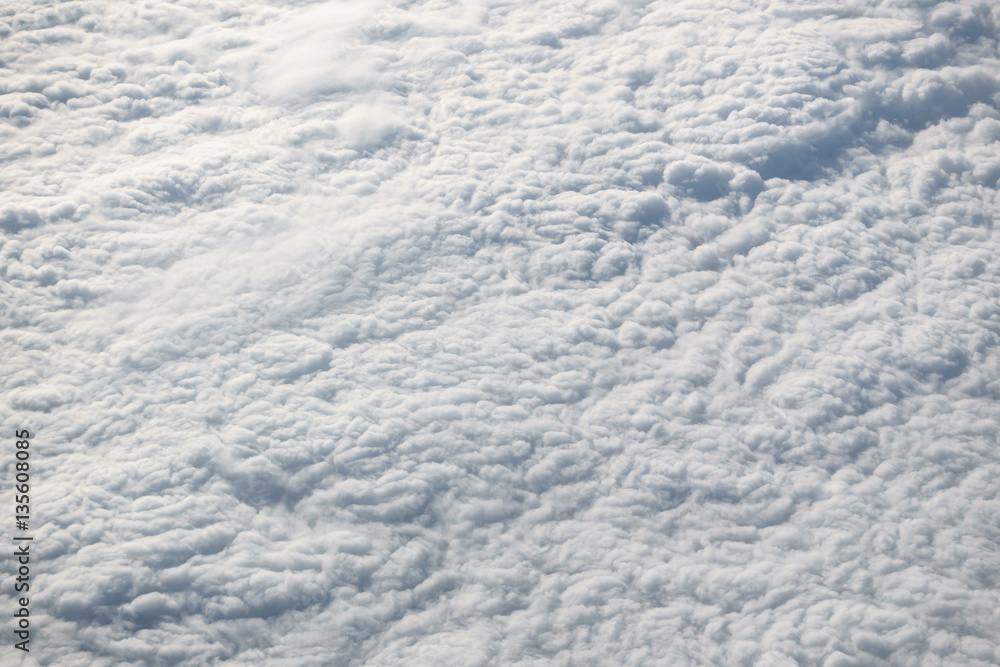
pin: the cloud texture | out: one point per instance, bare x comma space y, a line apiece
492, 333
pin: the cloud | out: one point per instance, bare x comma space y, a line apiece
616, 333
315, 51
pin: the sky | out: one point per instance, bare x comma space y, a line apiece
497, 333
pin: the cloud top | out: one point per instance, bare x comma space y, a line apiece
503, 334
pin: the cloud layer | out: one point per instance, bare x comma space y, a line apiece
485, 333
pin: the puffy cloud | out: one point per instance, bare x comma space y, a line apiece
574, 333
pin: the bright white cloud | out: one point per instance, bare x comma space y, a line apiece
588, 333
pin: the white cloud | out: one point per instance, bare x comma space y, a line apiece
316, 51
617, 333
